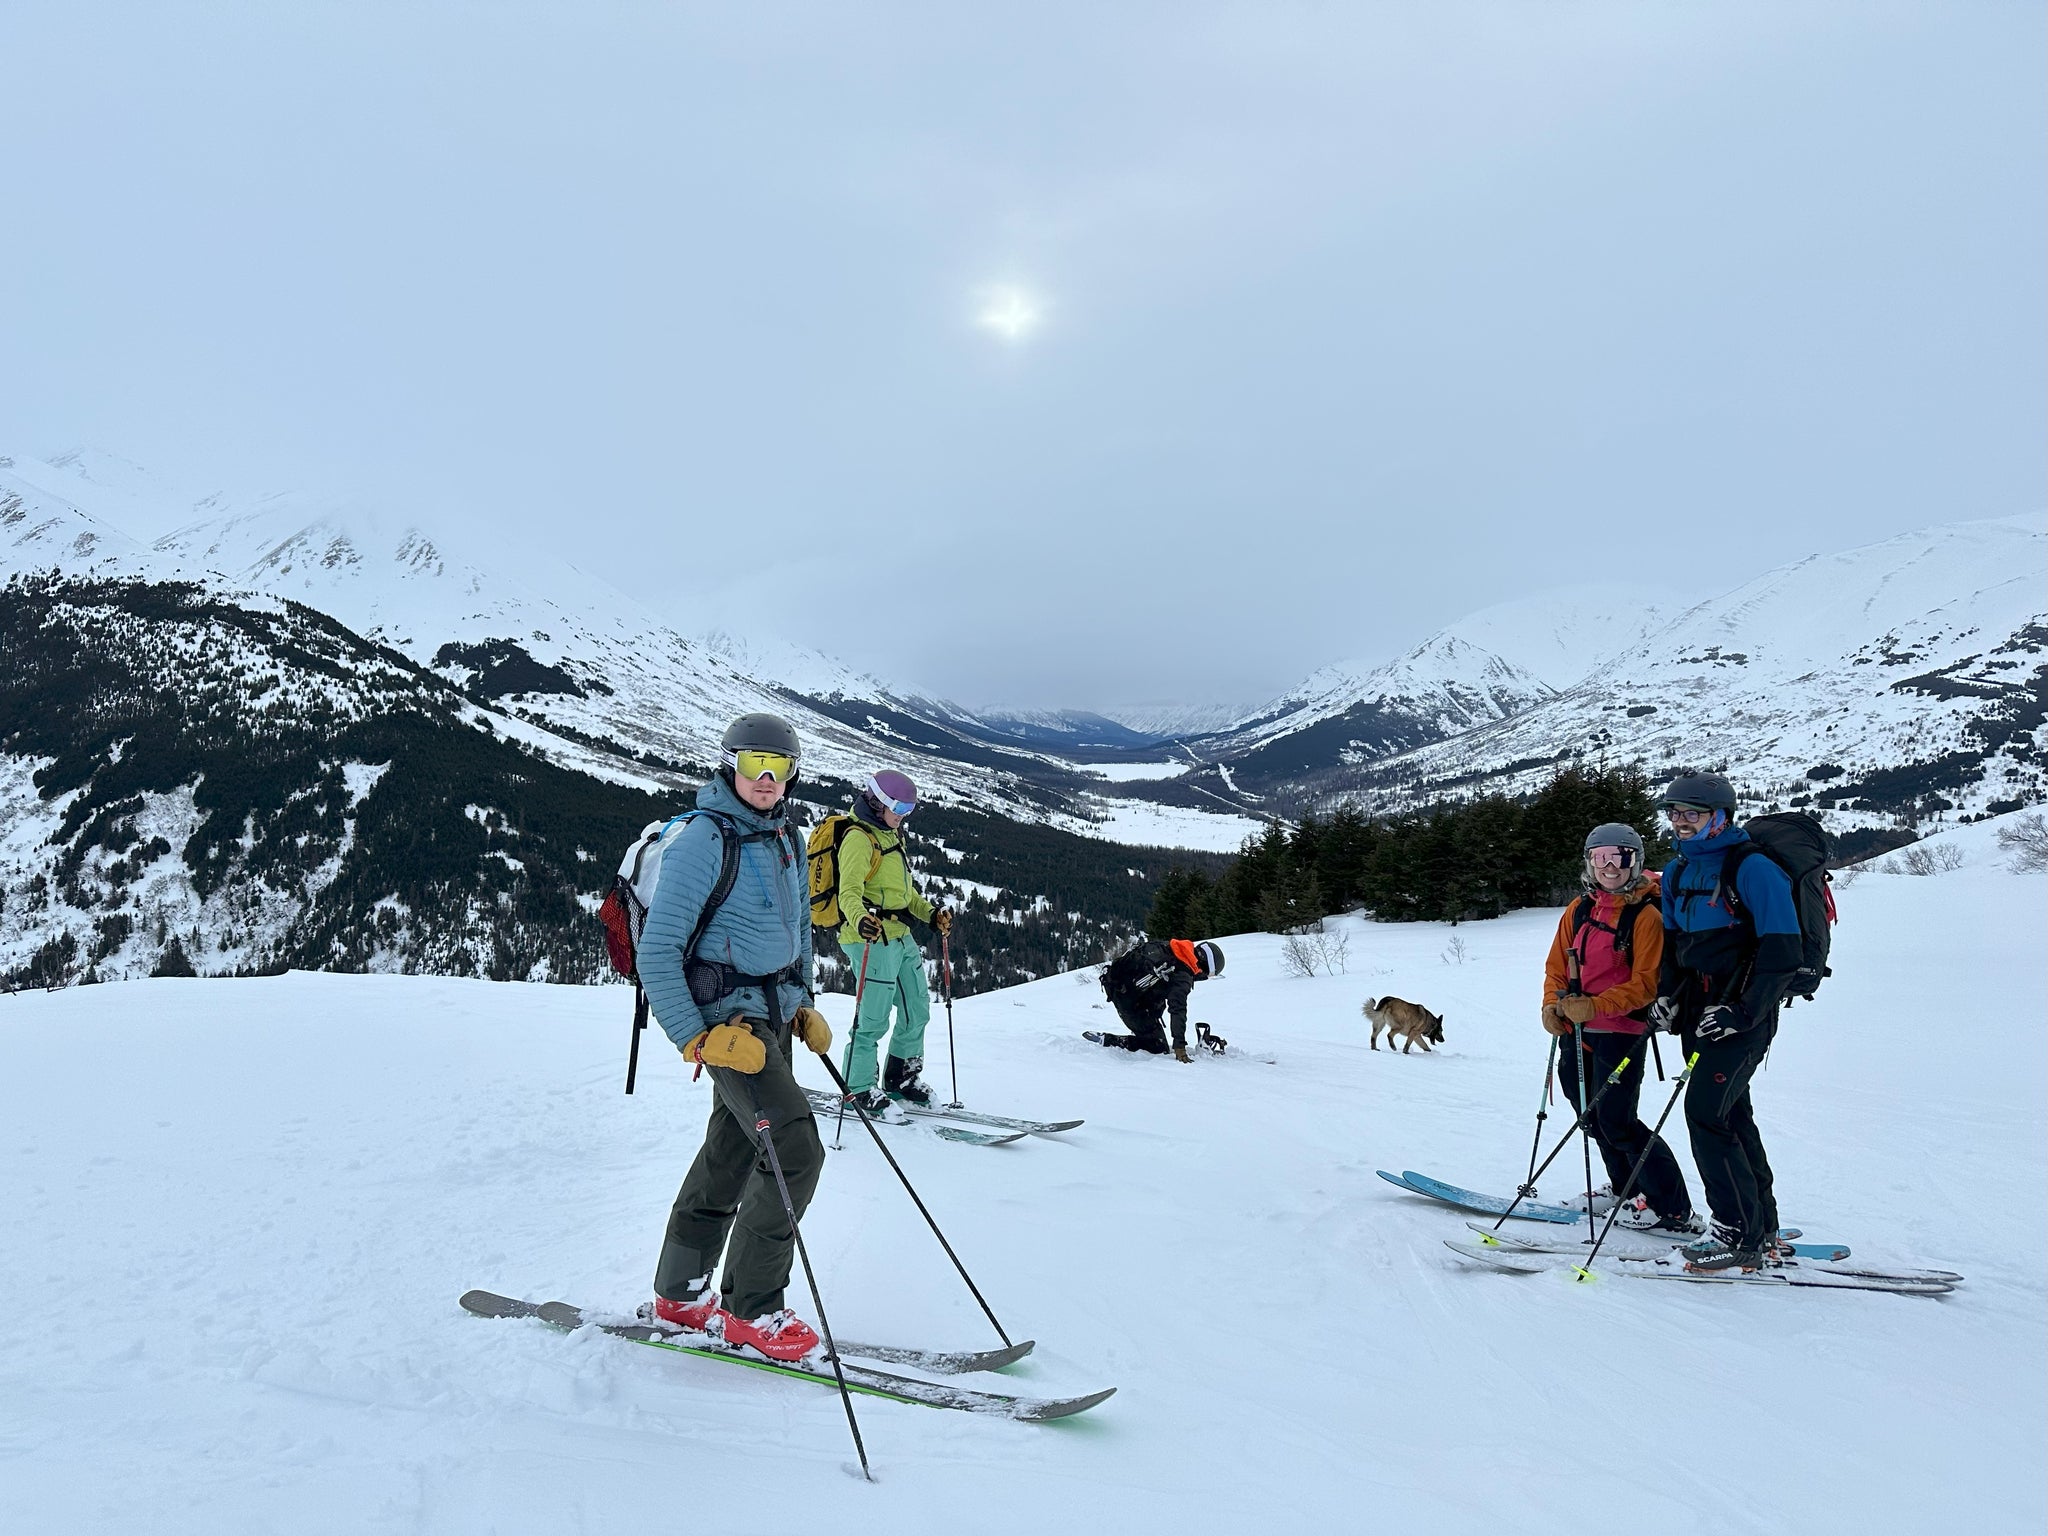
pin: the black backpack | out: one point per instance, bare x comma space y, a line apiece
1797, 843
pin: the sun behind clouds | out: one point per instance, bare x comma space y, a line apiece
1009, 312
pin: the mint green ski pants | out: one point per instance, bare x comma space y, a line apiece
895, 982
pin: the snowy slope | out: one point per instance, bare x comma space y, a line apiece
240, 1213
1562, 634
1898, 674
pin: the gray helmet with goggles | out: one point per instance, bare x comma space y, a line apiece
758, 746
1702, 791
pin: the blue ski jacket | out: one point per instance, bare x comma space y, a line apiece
1748, 959
762, 928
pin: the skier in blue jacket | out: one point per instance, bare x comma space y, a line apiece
1725, 968
736, 1006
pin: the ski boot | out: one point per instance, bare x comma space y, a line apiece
877, 1105
1094, 1037
901, 1078
1603, 1200
1722, 1249
694, 1314
1209, 1040
1636, 1215
778, 1335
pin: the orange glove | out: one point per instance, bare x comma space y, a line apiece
1579, 1010
1554, 1023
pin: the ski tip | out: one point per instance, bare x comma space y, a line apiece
1045, 1410
490, 1304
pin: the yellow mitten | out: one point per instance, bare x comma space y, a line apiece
811, 1028
732, 1046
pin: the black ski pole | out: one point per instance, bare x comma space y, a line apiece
639, 1023
1566, 1139
1585, 1125
1586, 1269
859, 988
915, 1198
946, 986
765, 1129
1528, 1189
1657, 1056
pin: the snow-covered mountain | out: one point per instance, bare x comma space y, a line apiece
1901, 680
1562, 634
563, 652
1345, 715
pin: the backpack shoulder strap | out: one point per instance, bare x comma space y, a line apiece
728, 872
1724, 883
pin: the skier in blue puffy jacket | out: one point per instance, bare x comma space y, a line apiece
1726, 967
736, 1006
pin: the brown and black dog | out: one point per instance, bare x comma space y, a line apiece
1399, 1017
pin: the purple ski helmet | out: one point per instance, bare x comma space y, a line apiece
889, 790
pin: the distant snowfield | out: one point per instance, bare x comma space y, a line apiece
239, 1214
1127, 773
1142, 825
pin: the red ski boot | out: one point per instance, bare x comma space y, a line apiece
778, 1335
693, 1315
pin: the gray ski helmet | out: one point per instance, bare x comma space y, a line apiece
1709, 791
764, 733
1210, 956
1615, 834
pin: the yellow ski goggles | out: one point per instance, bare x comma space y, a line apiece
752, 764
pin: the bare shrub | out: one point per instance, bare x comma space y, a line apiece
2025, 838
1849, 874
1917, 859
1456, 953
1316, 952
1948, 856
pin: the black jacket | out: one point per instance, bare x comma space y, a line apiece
1151, 981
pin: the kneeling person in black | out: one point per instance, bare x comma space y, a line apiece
1149, 987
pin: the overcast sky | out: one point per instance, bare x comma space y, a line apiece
1050, 354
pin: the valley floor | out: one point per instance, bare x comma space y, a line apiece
239, 1214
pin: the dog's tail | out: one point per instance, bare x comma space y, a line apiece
1372, 1005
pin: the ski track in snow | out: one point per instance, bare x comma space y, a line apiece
240, 1213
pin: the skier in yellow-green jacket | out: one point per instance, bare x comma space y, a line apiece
876, 900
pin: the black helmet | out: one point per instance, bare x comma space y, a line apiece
1210, 957
1709, 791
762, 732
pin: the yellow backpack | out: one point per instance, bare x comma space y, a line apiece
822, 852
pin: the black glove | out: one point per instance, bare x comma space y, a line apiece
941, 921
1664, 1014
869, 928
1720, 1022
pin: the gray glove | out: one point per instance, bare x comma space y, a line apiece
1664, 1015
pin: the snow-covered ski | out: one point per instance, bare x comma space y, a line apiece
946, 1362
1484, 1205
826, 1102
1825, 1257
902, 1389
976, 1117
1632, 1241
1801, 1277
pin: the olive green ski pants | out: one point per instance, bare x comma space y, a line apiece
729, 1203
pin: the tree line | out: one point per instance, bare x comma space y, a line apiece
1449, 862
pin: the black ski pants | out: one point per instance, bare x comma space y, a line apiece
730, 1193
1618, 1130
1733, 1169
1147, 1032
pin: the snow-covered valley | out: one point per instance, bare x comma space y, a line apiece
240, 1212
